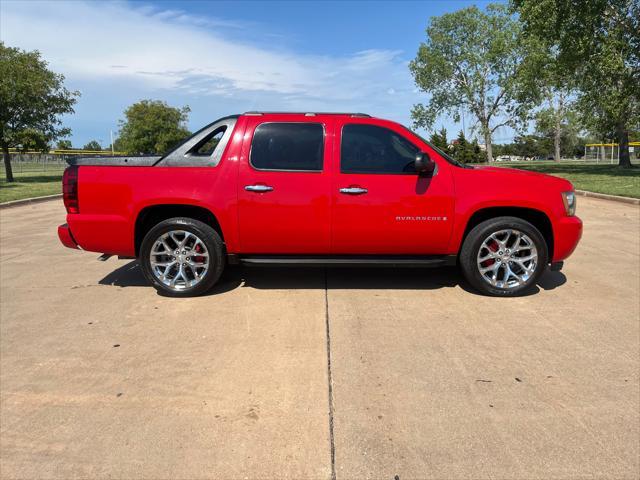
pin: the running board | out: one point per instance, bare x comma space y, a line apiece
345, 260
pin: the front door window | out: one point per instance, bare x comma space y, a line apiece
373, 149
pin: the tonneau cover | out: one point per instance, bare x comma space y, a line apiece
109, 161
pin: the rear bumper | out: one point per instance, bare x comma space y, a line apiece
64, 234
567, 234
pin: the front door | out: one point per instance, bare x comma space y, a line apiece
380, 204
284, 187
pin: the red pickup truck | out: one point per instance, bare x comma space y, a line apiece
317, 189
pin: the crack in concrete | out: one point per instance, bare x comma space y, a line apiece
329, 377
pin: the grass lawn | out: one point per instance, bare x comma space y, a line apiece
30, 184
609, 179
595, 178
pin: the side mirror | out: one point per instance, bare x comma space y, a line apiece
424, 164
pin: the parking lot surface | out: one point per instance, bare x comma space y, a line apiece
314, 373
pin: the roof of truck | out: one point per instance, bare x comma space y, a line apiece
310, 114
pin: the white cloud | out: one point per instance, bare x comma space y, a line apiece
119, 52
169, 49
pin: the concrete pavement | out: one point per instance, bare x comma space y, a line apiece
102, 378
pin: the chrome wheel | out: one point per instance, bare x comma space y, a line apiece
507, 259
179, 259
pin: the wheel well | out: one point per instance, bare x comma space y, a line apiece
150, 216
535, 217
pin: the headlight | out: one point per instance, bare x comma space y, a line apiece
569, 200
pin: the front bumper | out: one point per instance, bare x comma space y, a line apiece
566, 235
64, 234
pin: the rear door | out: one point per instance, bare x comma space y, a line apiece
284, 185
380, 204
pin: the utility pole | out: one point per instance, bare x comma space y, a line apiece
111, 132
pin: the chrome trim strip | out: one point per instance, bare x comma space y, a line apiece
353, 114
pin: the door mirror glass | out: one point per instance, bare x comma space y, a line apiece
424, 164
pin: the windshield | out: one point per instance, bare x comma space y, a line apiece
442, 153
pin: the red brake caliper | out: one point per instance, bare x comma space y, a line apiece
198, 249
494, 248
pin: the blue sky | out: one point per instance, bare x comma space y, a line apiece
228, 57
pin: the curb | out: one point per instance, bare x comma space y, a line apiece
27, 201
613, 198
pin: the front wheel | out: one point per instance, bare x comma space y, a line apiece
182, 257
503, 256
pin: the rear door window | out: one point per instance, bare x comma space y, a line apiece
288, 146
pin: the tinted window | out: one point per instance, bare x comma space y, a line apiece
209, 144
372, 149
288, 146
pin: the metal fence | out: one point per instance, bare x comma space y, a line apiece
53, 161
33, 163
589, 160
610, 152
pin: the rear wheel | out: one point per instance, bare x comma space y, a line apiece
503, 256
182, 257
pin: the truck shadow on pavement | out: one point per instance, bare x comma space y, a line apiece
368, 278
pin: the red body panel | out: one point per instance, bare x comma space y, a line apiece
567, 232
64, 234
293, 218
400, 214
305, 213
487, 187
111, 198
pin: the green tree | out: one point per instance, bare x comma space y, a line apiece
553, 120
531, 146
462, 150
597, 43
473, 60
32, 99
64, 145
152, 126
92, 145
554, 89
559, 124
467, 152
117, 145
439, 139
479, 155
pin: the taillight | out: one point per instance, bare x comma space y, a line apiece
70, 189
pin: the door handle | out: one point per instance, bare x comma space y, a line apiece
258, 188
353, 191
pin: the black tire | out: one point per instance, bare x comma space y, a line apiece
471, 246
209, 237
